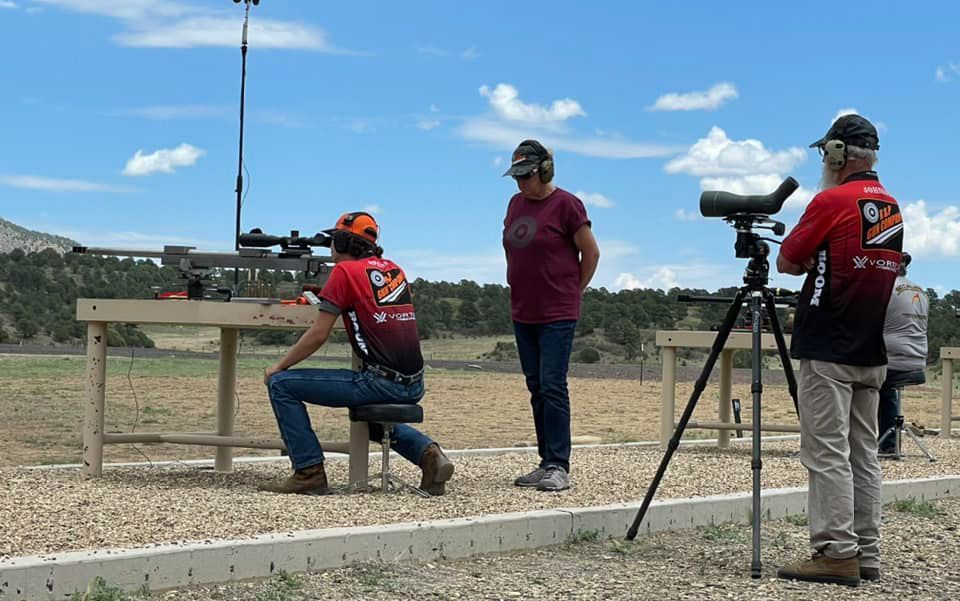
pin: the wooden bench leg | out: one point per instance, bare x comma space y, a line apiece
359, 451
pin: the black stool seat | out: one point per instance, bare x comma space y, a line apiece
387, 414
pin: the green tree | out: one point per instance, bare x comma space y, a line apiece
468, 316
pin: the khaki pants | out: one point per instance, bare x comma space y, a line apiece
838, 446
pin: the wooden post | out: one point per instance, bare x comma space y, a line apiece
726, 387
359, 443
226, 391
668, 355
946, 412
96, 392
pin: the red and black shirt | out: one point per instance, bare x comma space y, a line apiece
854, 233
373, 295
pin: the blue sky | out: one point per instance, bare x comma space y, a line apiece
119, 121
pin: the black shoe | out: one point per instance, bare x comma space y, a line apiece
871, 574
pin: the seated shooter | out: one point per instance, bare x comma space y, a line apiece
373, 296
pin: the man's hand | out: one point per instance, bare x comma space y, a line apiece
268, 372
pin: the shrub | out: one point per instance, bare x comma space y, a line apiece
588, 355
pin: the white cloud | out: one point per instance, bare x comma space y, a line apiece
506, 136
7, 4
470, 53
685, 215
947, 72
497, 161
131, 240
431, 50
428, 124
719, 155
434, 108
710, 100
505, 101
740, 167
360, 125
928, 234
594, 199
663, 278
170, 24
48, 184
163, 160
372, 209
180, 111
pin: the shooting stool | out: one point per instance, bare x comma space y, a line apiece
387, 416
897, 430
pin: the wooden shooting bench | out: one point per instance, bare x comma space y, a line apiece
669, 342
230, 317
948, 355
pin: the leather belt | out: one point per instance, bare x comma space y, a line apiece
393, 375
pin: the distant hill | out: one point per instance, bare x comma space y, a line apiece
14, 236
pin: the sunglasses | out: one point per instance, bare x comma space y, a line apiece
525, 176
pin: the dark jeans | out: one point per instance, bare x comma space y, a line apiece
290, 389
544, 350
889, 407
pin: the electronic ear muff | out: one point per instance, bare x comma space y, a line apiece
545, 166
835, 154
346, 242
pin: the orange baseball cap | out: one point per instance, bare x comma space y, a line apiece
359, 224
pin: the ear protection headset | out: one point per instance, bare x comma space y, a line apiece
835, 154
545, 167
351, 244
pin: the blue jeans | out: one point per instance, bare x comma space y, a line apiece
889, 407
544, 350
290, 389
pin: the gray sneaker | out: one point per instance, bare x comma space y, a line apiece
532, 479
555, 480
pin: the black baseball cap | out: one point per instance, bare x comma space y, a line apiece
527, 157
852, 130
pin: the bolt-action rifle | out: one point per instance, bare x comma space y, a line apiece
296, 254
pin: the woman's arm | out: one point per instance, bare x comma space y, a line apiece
589, 254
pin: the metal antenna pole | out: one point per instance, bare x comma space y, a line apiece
239, 190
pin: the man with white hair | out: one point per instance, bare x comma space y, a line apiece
848, 243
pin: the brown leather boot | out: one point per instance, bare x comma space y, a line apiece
821, 568
437, 469
308, 481
871, 574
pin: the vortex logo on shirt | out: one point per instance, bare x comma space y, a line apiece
821, 280
520, 233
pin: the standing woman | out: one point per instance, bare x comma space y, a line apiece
551, 257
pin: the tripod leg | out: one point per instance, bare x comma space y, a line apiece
756, 387
782, 347
719, 342
923, 448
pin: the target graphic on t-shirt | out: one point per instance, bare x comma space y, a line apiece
522, 231
389, 287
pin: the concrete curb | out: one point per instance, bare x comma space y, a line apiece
175, 565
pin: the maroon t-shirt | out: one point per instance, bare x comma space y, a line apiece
543, 263
854, 232
373, 295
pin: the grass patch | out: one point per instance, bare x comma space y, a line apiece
915, 507
34, 367
100, 590
724, 534
583, 536
279, 588
799, 519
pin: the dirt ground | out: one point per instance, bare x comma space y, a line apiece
42, 415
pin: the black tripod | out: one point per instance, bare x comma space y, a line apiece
755, 279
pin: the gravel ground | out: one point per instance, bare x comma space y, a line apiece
702, 564
141, 506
